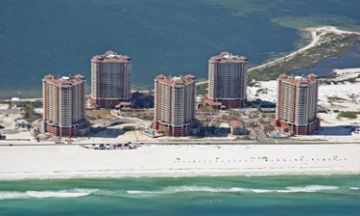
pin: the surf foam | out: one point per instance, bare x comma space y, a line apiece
73, 193
187, 189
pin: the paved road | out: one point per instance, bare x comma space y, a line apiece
260, 135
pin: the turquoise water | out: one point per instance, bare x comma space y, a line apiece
38, 37
282, 195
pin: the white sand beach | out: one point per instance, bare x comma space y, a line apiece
73, 161
346, 92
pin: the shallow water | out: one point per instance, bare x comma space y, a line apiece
281, 195
350, 59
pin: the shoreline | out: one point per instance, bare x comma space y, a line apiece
168, 175
181, 174
75, 162
316, 34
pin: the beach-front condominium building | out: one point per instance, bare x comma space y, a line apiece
174, 104
110, 79
297, 105
64, 105
227, 77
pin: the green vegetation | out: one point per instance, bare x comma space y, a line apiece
301, 22
333, 82
129, 128
268, 127
336, 98
147, 117
145, 114
253, 84
349, 115
260, 91
29, 113
333, 45
34, 104
98, 114
202, 88
142, 100
285, 14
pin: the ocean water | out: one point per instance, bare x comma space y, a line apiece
280, 195
38, 37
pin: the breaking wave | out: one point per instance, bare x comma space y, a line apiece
186, 189
73, 193
78, 192
4, 195
310, 188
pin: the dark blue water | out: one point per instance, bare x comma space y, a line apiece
163, 36
38, 37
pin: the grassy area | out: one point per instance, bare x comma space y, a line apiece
146, 114
147, 117
285, 14
349, 115
336, 99
332, 82
29, 113
98, 114
34, 104
334, 45
129, 128
301, 22
202, 88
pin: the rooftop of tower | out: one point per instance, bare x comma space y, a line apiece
227, 57
309, 79
64, 81
111, 56
176, 80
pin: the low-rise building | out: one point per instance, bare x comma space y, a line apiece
238, 129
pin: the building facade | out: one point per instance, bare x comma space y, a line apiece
64, 105
227, 77
297, 105
174, 104
110, 80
